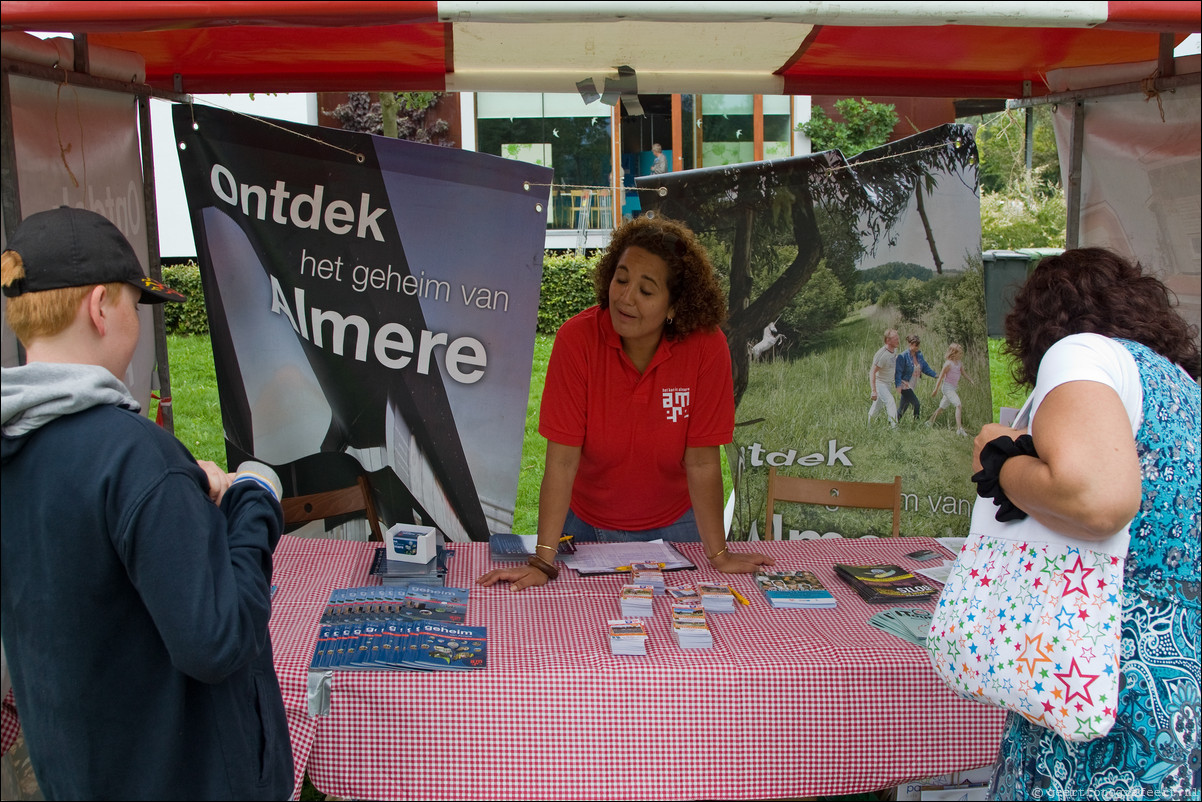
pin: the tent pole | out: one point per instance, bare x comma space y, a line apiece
1029, 144
162, 365
10, 196
1072, 192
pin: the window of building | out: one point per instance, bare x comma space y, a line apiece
555, 130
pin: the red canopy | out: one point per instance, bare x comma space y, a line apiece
929, 49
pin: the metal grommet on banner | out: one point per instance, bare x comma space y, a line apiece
526, 185
538, 207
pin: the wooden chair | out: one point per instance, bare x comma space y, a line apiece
829, 493
315, 506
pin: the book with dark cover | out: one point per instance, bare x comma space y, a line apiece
884, 584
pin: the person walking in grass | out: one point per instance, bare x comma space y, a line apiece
948, 381
880, 378
911, 364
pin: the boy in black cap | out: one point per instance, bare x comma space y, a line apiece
135, 581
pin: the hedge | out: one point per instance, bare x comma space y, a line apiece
567, 288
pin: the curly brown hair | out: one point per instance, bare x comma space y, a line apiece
696, 295
1097, 291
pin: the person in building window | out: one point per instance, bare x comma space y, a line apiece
660, 164
637, 403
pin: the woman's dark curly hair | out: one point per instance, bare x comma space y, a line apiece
1094, 290
696, 296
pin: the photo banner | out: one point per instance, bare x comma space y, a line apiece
822, 256
372, 306
77, 146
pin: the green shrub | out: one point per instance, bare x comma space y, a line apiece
189, 317
817, 309
959, 314
567, 288
1021, 216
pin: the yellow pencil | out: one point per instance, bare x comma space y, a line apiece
739, 596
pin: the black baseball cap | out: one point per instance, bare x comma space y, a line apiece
68, 247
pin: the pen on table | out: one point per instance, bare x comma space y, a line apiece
739, 596
627, 567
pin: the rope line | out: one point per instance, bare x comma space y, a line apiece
359, 157
1005, 121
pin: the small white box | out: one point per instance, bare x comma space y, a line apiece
410, 543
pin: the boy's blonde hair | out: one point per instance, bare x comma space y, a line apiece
34, 315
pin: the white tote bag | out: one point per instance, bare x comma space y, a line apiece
1029, 620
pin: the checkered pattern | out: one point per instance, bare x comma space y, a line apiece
10, 727
787, 703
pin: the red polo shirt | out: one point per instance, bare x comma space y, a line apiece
633, 428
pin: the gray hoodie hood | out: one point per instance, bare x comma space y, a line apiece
35, 394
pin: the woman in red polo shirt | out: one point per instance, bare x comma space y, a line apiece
637, 402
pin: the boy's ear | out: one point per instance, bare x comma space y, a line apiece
97, 303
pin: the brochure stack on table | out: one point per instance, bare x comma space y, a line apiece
716, 598
627, 636
636, 601
690, 627
649, 574
794, 589
399, 627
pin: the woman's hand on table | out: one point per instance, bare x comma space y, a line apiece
519, 578
740, 562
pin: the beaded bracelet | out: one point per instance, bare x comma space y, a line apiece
547, 568
988, 479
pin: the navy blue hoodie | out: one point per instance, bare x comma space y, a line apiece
134, 609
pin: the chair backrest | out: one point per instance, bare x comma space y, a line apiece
829, 493
315, 506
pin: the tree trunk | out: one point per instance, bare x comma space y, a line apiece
388, 111
926, 226
747, 323
740, 296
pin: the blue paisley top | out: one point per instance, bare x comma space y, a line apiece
1152, 752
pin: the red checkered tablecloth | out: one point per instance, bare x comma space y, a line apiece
787, 703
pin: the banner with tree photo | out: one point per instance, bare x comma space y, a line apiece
372, 306
823, 256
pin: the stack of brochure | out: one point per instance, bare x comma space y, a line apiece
686, 595
690, 627
716, 598
399, 627
884, 584
628, 636
650, 574
400, 572
794, 589
400, 644
636, 601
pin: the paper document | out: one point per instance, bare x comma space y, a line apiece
606, 558
939, 573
